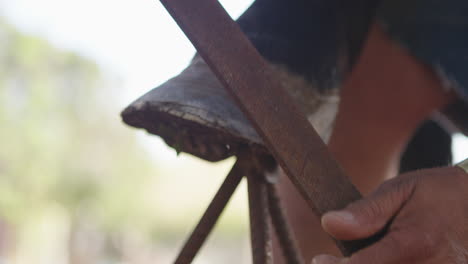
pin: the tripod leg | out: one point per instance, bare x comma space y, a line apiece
282, 228
211, 215
259, 219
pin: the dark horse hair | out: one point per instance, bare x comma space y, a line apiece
430, 147
321, 40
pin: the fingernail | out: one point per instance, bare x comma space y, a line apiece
325, 259
340, 216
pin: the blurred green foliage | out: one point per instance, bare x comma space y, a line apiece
59, 142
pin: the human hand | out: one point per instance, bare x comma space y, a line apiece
427, 216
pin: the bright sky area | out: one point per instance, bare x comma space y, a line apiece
136, 40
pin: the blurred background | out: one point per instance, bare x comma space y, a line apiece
76, 185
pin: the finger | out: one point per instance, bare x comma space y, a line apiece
396, 248
366, 217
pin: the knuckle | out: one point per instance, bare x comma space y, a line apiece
367, 211
374, 209
387, 185
397, 188
405, 185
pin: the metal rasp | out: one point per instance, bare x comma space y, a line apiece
286, 132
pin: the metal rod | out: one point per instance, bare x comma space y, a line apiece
283, 230
212, 214
260, 226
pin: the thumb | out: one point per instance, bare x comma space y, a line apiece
366, 217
